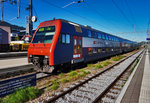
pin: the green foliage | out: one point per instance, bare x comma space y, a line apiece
70, 79
22, 95
106, 63
90, 65
99, 66
53, 80
88, 72
63, 80
83, 73
116, 58
47, 88
122, 84
72, 73
134, 65
55, 85
61, 75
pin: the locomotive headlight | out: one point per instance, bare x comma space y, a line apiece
30, 56
46, 56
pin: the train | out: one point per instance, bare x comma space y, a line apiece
17, 44
19, 41
60, 42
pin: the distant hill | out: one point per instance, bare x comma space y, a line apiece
13, 27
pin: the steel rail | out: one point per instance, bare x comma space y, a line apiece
86, 80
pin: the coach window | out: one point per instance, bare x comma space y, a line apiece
95, 35
109, 37
89, 34
79, 46
112, 38
99, 36
103, 36
63, 38
106, 37
75, 46
67, 38
94, 50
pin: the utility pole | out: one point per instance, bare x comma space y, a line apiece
29, 25
1, 2
12, 2
18, 9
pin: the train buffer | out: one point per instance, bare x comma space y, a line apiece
137, 88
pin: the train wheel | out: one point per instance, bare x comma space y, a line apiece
65, 68
48, 69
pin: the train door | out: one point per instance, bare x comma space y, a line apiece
77, 47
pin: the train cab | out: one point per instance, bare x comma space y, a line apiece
41, 49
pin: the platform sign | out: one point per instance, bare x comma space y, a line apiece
147, 38
10, 85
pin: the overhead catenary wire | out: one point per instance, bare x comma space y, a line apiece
51, 4
131, 13
133, 19
123, 14
100, 14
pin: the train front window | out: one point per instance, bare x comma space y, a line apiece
44, 35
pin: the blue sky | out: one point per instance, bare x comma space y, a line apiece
112, 16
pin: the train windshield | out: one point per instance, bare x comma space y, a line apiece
44, 35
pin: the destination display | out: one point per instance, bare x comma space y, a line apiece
10, 85
47, 29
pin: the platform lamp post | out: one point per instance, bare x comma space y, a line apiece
73, 3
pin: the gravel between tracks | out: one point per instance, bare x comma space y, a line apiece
91, 90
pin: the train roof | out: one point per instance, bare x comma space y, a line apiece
89, 27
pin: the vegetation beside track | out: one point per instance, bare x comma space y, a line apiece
117, 58
22, 95
65, 78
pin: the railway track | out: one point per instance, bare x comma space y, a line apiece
112, 93
93, 88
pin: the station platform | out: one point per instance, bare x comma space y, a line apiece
12, 54
14, 64
138, 89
